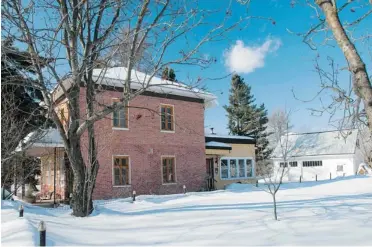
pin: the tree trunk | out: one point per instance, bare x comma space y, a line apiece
274, 202
15, 180
361, 82
80, 200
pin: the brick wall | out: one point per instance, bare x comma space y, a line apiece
144, 143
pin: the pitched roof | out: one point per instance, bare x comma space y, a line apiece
41, 138
318, 143
114, 77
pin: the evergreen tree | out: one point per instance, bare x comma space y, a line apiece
168, 74
248, 119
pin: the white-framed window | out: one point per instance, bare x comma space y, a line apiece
235, 168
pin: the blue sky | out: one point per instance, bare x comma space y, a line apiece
286, 67
287, 64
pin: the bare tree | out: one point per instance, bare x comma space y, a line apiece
279, 124
355, 101
77, 34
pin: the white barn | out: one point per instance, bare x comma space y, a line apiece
320, 155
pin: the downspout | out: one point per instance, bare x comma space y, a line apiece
54, 186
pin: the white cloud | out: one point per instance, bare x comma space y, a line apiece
246, 59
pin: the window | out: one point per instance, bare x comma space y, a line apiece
121, 170
249, 168
340, 168
224, 169
312, 163
233, 171
241, 168
293, 163
169, 170
235, 168
167, 118
120, 117
282, 164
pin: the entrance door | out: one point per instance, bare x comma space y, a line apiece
210, 174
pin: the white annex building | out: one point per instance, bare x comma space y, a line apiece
319, 155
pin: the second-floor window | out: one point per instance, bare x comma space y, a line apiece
120, 117
167, 117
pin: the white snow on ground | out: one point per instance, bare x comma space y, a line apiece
333, 212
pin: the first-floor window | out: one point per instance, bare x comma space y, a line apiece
121, 170
283, 164
169, 175
224, 169
234, 168
312, 163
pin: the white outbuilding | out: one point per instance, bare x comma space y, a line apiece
319, 155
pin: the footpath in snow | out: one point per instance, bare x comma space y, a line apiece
333, 212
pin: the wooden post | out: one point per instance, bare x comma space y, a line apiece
300, 178
42, 230
134, 195
316, 177
256, 183
21, 211
330, 175
184, 189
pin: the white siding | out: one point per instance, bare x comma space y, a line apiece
329, 165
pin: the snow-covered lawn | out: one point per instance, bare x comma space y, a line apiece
337, 212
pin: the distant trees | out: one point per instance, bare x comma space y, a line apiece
248, 119
20, 115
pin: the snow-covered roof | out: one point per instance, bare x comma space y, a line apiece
115, 77
42, 138
318, 143
213, 144
230, 137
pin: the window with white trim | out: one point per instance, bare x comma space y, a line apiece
235, 168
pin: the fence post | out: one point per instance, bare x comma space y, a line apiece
21, 209
300, 178
316, 177
330, 175
184, 189
134, 195
256, 183
344, 175
42, 230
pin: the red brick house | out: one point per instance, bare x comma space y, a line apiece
154, 147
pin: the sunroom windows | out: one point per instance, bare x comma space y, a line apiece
236, 168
